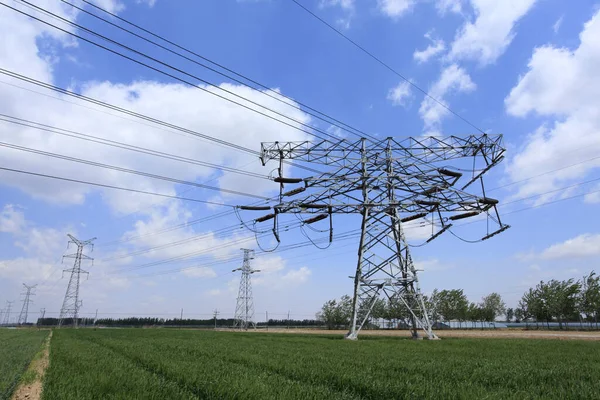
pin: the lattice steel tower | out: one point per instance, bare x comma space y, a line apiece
7, 311
244, 310
387, 182
26, 301
72, 302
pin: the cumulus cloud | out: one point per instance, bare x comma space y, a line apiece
445, 6
400, 94
436, 47
571, 134
395, 8
582, 246
487, 37
453, 79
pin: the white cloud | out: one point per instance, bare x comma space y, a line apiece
400, 94
444, 6
452, 79
115, 6
195, 110
436, 47
562, 84
202, 272
12, 220
594, 197
149, 3
395, 8
586, 245
486, 39
347, 7
558, 24
297, 276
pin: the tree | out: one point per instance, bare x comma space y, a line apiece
589, 298
561, 298
510, 314
336, 314
492, 306
453, 305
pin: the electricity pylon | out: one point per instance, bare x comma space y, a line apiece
72, 303
388, 182
26, 301
7, 312
244, 310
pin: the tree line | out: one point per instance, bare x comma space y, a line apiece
154, 322
553, 301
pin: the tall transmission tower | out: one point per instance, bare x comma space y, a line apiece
7, 312
26, 301
244, 310
388, 183
72, 302
42, 316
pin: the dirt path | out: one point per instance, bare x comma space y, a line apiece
31, 386
489, 333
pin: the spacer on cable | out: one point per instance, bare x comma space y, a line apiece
315, 219
265, 218
293, 192
413, 217
465, 215
255, 208
281, 179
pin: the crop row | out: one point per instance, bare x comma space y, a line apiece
215, 365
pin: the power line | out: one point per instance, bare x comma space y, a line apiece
223, 97
387, 66
140, 116
127, 170
276, 95
116, 144
114, 187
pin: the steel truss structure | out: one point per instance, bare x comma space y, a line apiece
72, 303
26, 302
389, 183
244, 309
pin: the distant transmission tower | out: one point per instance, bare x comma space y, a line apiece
7, 315
26, 301
72, 303
388, 183
244, 310
42, 316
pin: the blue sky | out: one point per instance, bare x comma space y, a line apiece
523, 68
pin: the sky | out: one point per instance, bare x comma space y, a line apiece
522, 68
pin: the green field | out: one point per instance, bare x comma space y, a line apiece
160, 364
17, 348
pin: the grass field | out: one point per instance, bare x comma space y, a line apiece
159, 364
17, 348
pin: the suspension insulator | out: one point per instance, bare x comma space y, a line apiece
438, 233
488, 200
413, 217
447, 172
427, 202
293, 192
281, 179
265, 218
465, 215
505, 227
315, 219
255, 208
312, 205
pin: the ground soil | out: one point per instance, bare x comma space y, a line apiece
33, 390
455, 333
